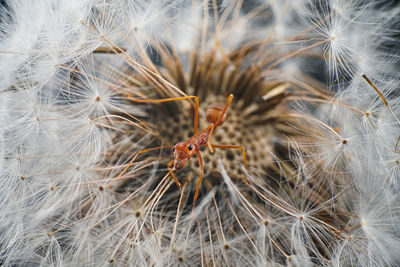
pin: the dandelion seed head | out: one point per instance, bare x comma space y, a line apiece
322, 179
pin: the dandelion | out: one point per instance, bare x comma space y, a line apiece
78, 111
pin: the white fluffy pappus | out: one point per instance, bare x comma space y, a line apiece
69, 128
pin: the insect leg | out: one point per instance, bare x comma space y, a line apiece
228, 102
200, 180
133, 159
173, 175
235, 147
209, 128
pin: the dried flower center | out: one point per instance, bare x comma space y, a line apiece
237, 130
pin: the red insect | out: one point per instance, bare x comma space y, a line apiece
183, 151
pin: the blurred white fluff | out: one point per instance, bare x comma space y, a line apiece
52, 141
39, 35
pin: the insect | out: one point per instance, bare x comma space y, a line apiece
183, 151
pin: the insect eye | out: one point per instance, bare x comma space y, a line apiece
190, 147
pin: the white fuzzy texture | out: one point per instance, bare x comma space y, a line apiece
55, 132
